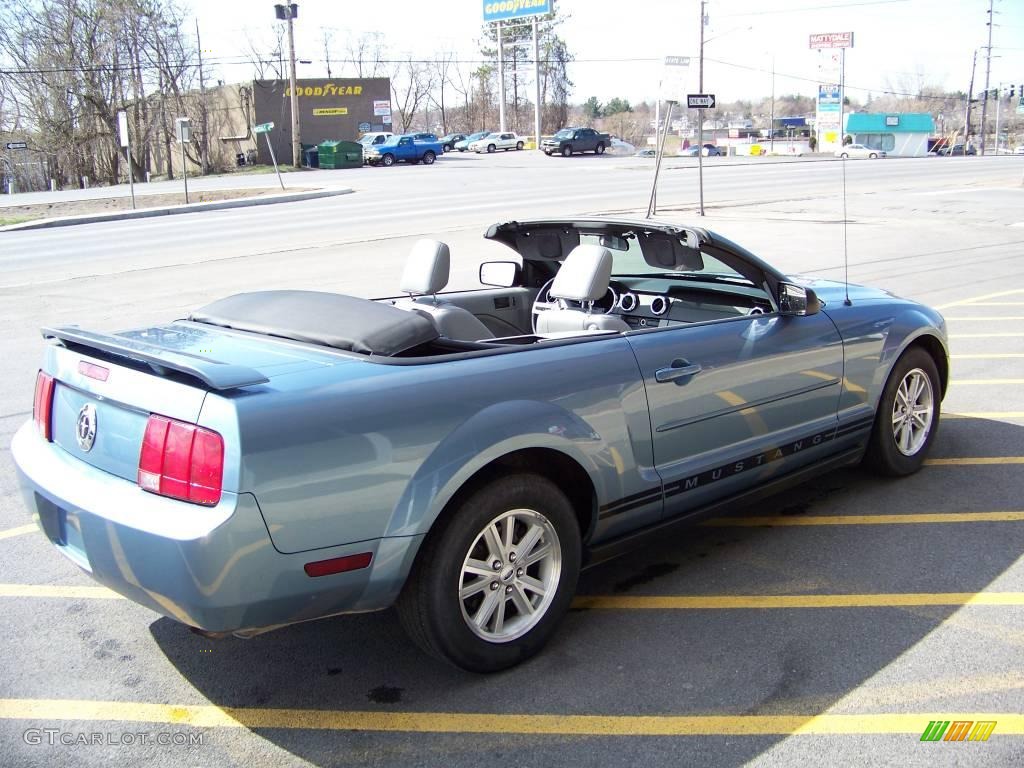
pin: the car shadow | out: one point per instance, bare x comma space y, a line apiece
797, 662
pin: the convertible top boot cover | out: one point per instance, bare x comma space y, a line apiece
329, 319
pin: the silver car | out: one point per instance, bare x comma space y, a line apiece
495, 141
858, 151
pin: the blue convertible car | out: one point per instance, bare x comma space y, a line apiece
282, 456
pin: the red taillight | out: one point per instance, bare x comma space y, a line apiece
42, 406
181, 460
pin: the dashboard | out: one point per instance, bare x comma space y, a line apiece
675, 303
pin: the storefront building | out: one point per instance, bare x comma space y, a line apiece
903, 134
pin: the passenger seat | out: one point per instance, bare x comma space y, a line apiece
426, 273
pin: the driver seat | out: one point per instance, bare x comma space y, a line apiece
583, 278
426, 273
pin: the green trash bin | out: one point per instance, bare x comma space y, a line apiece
327, 154
348, 154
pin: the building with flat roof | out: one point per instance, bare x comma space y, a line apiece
903, 134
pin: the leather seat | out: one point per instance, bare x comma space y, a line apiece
583, 278
426, 273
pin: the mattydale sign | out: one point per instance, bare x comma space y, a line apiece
832, 40
500, 10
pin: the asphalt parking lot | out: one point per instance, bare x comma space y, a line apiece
829, 625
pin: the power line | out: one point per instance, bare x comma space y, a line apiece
808, 8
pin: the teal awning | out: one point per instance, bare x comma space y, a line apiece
890, 122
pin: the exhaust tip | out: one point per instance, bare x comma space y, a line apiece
208, 634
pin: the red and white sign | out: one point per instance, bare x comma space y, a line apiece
832, 40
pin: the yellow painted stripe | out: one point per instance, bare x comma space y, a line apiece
749, 602
995, 415
19, 531
986, 382
986, 335
983, 297
987, 318
974, 461
995, 356
783, 521
208, 716
995, 304
49, 590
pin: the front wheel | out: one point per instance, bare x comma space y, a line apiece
388, 160
491, 147
495, 576
844, 156
908, 416
519, 145
872, 156
428, 157
566, 151
599, 149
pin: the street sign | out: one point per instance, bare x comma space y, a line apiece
17, 145
700, 100
831, 40
500, 10
122, 127
677, 61
183, 130
263, 128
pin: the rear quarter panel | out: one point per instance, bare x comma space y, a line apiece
369, 450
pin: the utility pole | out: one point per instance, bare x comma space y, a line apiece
700, 112
970, 97
288, 13
988, 70
204, 159
771, 128
501, 80
536, 83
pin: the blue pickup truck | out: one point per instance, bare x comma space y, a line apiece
402, 148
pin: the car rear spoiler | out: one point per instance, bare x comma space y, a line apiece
212, 373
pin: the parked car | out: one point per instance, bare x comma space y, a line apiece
569, 140
423, 136
463, 145
495, 141
958, 150
448, 141
647, 152
372, 139
283, 455
399, 149
858, 151
710, 150
1019, 150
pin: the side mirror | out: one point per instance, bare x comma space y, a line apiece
500, 274
796, 300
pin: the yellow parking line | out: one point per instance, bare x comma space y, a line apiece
19, 531
48, 590
986, 335
209, 716
995, 304
974, 461
985, 319
749, 602
983, 297
986, 382
990, 415
784, 521
995, 356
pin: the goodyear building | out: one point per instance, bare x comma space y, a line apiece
329, 109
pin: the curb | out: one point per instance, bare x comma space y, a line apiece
145, 213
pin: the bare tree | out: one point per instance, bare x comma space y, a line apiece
411, 84
366, 54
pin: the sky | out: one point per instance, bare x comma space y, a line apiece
619, 47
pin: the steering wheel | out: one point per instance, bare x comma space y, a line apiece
542, 303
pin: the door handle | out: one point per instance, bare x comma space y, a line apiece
680, 369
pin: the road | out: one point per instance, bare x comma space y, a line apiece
913, 589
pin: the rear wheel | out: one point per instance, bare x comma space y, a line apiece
388, 159
428, 157
873, 156
599, 150
495, 577
566, 151
908, 416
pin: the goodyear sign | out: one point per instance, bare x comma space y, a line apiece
501, 10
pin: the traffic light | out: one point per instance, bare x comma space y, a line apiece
1011, 92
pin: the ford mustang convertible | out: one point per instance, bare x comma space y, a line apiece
281, 456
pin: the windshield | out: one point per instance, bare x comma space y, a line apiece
565, 133
631, 263
475, 136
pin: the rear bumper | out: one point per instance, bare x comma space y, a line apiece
209, 567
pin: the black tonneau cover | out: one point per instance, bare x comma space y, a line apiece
329, 319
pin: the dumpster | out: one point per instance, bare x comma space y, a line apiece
327, 153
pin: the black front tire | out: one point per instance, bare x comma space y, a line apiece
599, 149
388, 160
884, 455
429, 157
430, 607
519, 145
566, 151
491, 148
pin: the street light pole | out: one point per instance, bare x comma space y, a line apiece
700, 112
988, 72
771, 129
